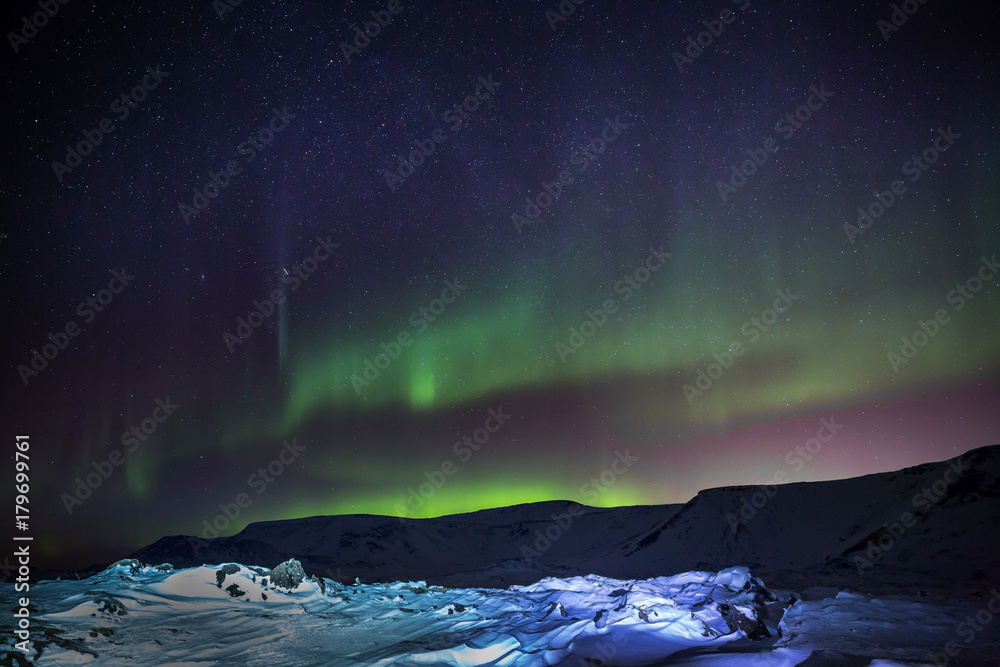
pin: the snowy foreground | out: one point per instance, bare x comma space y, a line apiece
132, 614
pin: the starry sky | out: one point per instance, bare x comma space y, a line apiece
475, 256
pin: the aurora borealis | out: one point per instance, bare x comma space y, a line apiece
484, 208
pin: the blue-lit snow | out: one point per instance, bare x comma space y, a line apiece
141, 615
155, 617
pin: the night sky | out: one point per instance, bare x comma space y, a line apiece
488, 248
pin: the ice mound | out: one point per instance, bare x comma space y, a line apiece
235, 614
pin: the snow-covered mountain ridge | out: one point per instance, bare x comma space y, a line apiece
933, 525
